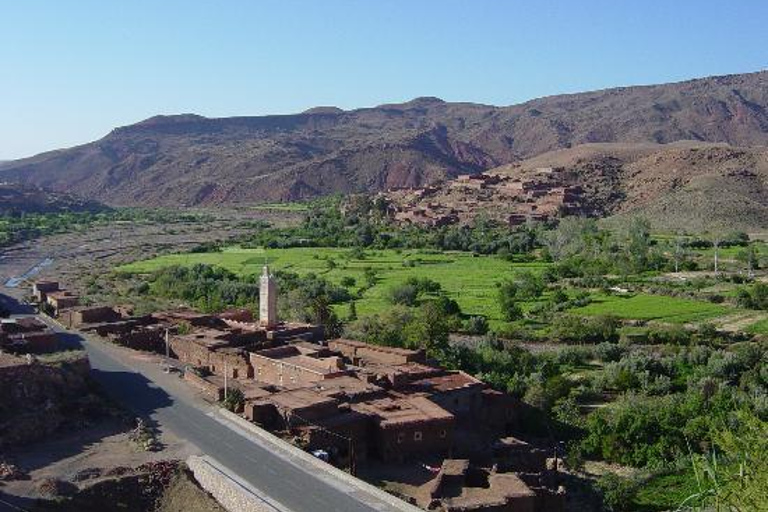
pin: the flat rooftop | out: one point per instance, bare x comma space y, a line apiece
394, 411
347, 386
297, 399
448, 382
377, 348
294, 356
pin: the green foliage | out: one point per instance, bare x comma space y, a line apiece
508, 301
618, 492
578, 329
755, 297
234, 400
208, 288
476, 325
734, 476
404, 294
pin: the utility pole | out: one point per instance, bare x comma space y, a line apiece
167, 352
225, 381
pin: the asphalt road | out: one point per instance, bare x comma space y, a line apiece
143, 387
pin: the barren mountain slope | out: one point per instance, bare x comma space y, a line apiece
191, 160
685, 185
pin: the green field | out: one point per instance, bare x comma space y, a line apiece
470, 280
282, 207
653, 307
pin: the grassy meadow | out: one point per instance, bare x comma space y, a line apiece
653, 307
469, 279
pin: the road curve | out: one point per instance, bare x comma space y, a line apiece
143, 387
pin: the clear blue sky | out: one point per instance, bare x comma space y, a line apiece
74, 69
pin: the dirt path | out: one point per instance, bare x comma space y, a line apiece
740, 321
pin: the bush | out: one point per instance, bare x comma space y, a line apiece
234, 400
609, 352
576, 329
507, 296
477, 325
669, 334
618, 493
404, 294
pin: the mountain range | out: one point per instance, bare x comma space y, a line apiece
189, 160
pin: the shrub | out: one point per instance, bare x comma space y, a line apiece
477, 325
609, 352
234, 400
576, 329
405, 294
618, 493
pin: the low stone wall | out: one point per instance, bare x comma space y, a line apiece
228, 491
209, 389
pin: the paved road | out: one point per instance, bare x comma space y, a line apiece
143, 387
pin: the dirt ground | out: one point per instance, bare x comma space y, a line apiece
80, 457
97, 250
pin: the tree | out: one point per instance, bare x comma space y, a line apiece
352, 312
429, 330
573, 236
678, 252
405, 294
638, 244
529, 285
507, 297
749, 257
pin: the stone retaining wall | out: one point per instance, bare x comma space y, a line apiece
231, 494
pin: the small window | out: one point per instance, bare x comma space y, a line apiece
443, 434
400, 437
417, 436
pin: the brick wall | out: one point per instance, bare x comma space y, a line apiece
397, 443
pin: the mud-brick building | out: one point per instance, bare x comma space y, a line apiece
61, 300
295, 365
27, 336
205, 350
408, 426
456, 392
41, 288
461, 487
81, 315
359, 353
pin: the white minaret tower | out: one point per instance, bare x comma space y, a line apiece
267, 299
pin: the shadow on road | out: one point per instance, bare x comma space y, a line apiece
134, 391
69, 341
12, 306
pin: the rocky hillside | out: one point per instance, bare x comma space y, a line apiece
17, 199
192, 160
685, 185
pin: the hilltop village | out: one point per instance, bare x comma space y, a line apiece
442, 438
540, 196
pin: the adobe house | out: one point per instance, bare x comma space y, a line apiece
27, 336
41, 288
457, 392
359, 352
204, 350
461, 487
294, 366
78, 316
61, 300
408, 426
